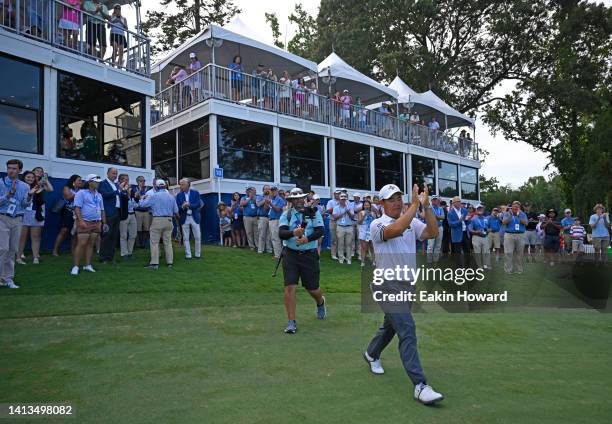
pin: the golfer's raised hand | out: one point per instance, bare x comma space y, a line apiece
424, 197
415, 196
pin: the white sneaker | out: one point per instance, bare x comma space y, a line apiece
426, 394
88, 268
36, 261
12, 285
20, 261
348, 261
75, 270
335, 258
340, 261
375, 366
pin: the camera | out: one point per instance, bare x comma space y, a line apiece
309, 211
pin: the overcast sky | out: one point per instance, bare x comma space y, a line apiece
512, 163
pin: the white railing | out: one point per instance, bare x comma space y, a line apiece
213, 81
64, 26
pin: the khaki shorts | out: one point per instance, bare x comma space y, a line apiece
601, 243
494, 241
89, 227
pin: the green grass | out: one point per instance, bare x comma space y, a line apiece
203, 343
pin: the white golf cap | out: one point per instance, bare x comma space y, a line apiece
249, 187
389, 190
93, 177
356, 194
568, 210
541, 215
160, 183
315, 197
343, 190
192, 55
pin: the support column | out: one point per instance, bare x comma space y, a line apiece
50, 121
276, 175
372, 170
326, 181
408, 166
212, 126
436, 176
332, 164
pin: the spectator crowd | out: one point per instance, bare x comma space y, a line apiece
109, 215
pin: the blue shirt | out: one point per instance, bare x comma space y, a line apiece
601, 229
494, 224
515, 225
296, 220
225, 223
478, 223
568, 222
91, 205
279, 202
262, 210
20, 199
162, 203
141, 193
345, 219
438, 211
237, 210
238, 74
250, 209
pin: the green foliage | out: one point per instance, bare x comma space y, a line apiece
169, 29
560, 92
541, 193
272, 19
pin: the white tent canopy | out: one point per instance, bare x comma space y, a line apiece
235, 38
350, 79
452, 117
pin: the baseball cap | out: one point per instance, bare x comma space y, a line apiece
249, 187
337, 191
389, 190
192, 55
343, 190
356, 194
541, 215
160, 183
568, 210
434, 197
274, 187
479, 206
93, 177
345, 91
315, 197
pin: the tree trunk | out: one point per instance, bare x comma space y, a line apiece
196, 15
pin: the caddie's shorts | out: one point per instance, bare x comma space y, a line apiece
301, 265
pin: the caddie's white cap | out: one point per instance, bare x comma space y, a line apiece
93, 177
160, 183
389, 190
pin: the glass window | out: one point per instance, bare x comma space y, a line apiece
448, 179
301, 158
194, 150
423, 171
99, 122
20, 106
469, 175
244, 150
163, 154
469, 191
352, 165
388, 166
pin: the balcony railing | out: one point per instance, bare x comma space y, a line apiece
217, 82
62, 25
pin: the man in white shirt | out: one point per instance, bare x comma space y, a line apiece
331, 204
394, 237
357, 206
343, 214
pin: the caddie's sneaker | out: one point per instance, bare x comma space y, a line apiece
374, 364
11, 285
426, 395
291, 327
75, 270
321, 310
88, 268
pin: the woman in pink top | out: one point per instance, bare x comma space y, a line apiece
70, 23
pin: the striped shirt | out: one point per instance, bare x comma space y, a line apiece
577, 232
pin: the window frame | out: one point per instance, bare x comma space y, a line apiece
367, 167
40, 115
321, 161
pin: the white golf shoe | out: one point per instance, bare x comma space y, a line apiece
75, 270
426, 394
374, 364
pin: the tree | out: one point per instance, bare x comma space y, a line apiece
565, 85
272, 19
170, 29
